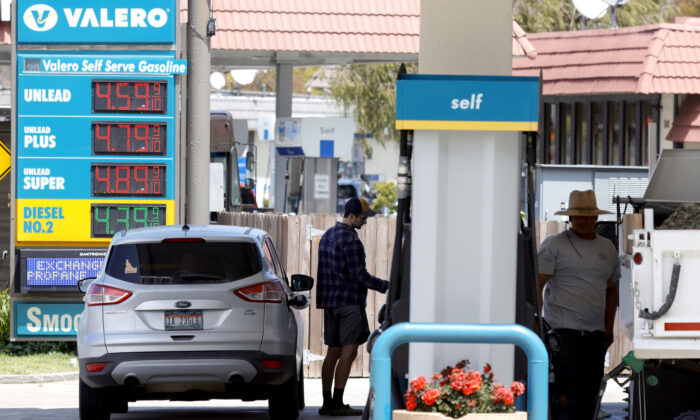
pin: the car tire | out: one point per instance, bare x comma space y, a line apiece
300, 389
119, 405
283, 402
93, 403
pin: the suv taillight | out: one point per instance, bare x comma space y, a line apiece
99, 294
270, 291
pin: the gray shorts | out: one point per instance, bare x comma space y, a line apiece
345, 325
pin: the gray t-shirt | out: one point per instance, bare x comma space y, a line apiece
574, 296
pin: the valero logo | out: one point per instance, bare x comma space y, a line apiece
40, 17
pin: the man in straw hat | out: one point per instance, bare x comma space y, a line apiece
580, 270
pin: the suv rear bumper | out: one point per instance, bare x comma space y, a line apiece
215, 367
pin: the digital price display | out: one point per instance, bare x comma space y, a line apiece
122, 138
129, 96
59, 270
107, 219
131, 179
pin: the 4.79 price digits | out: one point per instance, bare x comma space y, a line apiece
129, 138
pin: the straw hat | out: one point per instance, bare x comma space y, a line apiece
582, 203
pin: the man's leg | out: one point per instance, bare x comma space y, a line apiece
332, 340
328, 368
342, 372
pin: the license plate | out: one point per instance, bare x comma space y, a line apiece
183, 320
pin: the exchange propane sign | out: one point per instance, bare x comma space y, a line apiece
95, 139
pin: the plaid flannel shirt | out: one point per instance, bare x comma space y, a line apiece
342, 275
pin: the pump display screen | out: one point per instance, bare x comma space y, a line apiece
130, 179
117, 137
127, 96
107, 219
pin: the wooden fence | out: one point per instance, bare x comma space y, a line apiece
297, 238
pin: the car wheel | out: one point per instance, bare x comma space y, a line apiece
94, 404
300, 389
283, 402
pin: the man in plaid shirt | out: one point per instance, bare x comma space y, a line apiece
341, 291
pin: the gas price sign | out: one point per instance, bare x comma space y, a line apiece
95, 150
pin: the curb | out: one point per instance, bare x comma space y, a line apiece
38, 378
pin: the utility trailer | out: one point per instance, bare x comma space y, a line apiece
660, 294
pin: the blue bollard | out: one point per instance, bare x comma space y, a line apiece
405, 332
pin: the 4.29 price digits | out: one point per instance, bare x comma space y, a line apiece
111, 218
129, 179
129, 138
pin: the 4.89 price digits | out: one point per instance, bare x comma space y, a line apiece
128, 179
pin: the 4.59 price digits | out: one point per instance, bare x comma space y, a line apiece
128, 138
129, 96
108, 219
129, 179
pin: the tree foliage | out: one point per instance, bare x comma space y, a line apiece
367, 91
561, 15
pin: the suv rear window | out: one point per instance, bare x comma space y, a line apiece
183, 262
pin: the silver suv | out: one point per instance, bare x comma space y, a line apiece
192, 313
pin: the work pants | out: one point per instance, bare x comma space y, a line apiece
578, 371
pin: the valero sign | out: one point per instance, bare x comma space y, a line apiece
106, 22
481, 103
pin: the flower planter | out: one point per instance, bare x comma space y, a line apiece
419, 415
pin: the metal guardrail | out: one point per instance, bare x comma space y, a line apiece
538, 361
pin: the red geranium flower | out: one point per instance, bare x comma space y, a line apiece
430, 396
411, 403
473, 383
418, 383
487, 368
503, 394
518, 388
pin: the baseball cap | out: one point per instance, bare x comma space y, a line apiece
359, 206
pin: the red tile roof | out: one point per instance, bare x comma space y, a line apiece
358, 26
686, 124
661, 58
5, 33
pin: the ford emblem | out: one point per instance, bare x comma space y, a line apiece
182, 304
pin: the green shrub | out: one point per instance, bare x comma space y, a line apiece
387, 196
4, 311
21, 348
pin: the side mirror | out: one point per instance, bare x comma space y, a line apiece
84, 284
299, 300
301, 282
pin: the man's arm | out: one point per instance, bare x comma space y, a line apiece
543, 280
355, 259
611, 295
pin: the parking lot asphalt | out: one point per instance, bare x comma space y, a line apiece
59, 400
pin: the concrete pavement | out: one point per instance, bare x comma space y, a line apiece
59, 400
